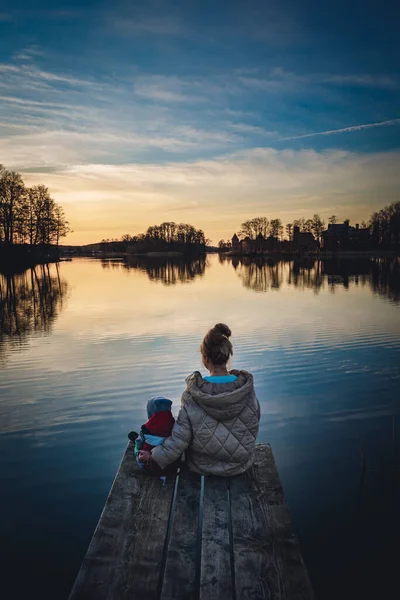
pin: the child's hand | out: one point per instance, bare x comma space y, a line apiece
145, 456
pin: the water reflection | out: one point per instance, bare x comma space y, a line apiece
327, 374
29, 303
261, 275
167, 270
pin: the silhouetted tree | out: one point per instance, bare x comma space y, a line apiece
332, 220
276, 228
300, 224
318, 226
254, 227
385, 225
28, 215
167, 235
11, 203
224, 244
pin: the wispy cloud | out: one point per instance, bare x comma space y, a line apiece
362, 80
173, 88
279, 79
282, 184
30, 73
254, 129
29, 53
344, 129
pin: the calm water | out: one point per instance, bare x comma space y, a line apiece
85, 343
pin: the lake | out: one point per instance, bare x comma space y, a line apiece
85, 343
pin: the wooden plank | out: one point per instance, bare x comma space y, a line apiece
216, 574
125, 555
267, 559
180, 570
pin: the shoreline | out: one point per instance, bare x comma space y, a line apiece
316, 255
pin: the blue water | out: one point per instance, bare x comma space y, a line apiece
84, 344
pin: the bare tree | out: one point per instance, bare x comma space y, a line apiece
276, 228
28, 215
385, 225
308, 226
300, 224
254, 227
60, 225
318, 226
11, 201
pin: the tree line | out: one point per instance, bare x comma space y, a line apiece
169, 233
166, 236
384, 226
274, 228
28, 215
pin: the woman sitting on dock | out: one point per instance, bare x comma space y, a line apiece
217, 425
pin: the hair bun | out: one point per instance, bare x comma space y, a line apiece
222, 329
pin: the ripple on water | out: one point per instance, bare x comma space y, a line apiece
326, 370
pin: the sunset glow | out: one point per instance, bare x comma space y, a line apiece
145, 112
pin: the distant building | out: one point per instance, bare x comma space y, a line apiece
235, 242
342, 236
246, 245
304, 241
359, 236
259, 243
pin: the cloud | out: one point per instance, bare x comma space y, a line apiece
218, 194
177, 89
279, 79
344, 129
138, 144
247, 128
28, 73
29, 53
362, 80
35, 147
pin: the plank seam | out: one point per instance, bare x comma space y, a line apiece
167, 537
231, 551
199, 539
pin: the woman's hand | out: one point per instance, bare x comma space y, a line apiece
145, 456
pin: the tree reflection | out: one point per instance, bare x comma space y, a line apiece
306, 274
167, 270
29, 303
385, 278
383, 274
261, 275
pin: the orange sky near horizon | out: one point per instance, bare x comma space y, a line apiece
217, 195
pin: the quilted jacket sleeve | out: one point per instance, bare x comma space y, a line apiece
174, 445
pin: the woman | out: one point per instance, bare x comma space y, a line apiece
217, 425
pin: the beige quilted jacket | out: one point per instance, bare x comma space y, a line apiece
217, 427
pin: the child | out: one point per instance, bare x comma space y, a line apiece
152, 433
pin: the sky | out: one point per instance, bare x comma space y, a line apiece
133, 113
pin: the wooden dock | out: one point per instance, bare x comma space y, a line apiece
200, 538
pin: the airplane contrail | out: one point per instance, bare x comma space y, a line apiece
344, 129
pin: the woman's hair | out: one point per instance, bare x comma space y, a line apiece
216, 346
